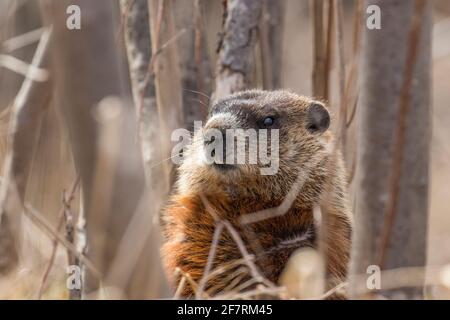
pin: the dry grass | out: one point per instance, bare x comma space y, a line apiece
53, 171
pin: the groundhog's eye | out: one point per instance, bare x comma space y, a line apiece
268, 121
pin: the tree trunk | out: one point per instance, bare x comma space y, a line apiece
235, 61
87, 69
395, 76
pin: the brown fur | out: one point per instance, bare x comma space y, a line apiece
188, 227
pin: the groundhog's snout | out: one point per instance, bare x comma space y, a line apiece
215, 147
230, 142
215, 141
215, 138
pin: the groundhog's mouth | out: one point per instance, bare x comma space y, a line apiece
223, 167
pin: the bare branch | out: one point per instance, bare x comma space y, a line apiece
65, 203
42, 223
22, 40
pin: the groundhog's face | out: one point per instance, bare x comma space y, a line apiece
257, 138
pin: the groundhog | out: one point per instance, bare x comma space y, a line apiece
207, 193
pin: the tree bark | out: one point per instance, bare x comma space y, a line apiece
386, 60
235, 64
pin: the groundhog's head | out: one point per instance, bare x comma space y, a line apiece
256, 141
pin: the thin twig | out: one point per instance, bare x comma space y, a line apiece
274, 292
123, 20
233, 279
28, 106
212, 253
332, 291
224, 268
253, 269
22, 40
288, 200
354, 66
236, 286
191, 281
66, 202
51, 261
42, 223
351, 173
180, 288
151, 65
353, 113
405, 277
237, 239
27, 70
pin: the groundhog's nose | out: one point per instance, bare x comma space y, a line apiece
214, 140
209, 140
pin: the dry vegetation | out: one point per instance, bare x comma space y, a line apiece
86, 117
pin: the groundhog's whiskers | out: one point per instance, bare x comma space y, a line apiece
200, 101
162, 161
197, 92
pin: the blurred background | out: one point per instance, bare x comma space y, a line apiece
86, 116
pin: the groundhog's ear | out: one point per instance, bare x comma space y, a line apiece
318, 118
